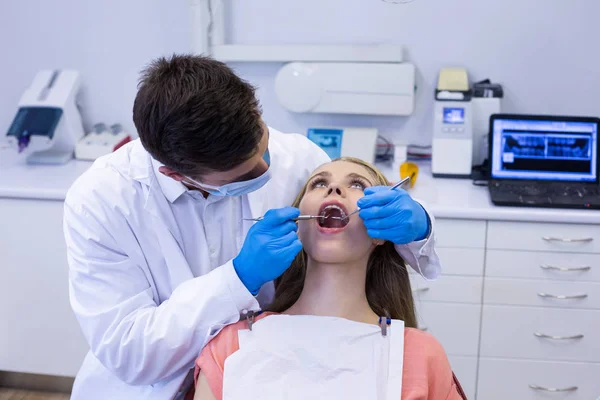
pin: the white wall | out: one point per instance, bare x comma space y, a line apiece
545, 52
108, 41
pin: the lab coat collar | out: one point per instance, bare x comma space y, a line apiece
170, 187
142, 168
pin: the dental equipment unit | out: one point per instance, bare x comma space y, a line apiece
48, 123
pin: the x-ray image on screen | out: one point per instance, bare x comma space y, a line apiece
524, 145
549, 151
569, 147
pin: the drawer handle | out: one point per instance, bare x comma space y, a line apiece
562, 296
566, 269
421, 289
544, 336
545, 389
566, 240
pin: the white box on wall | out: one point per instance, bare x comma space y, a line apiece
347, 88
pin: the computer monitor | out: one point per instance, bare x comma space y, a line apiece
544, 148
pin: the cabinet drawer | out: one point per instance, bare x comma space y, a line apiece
465, 369
458, 289
542, 265
570, 238
542, 293
457, 261
460, 233
511, 332
455, 325
510, 379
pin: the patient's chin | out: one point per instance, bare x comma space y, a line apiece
329, 252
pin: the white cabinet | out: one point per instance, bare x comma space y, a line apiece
457, 233
517, 307
463, 261
542, 293
540, 333
542, 265
445, 289
39, 333
465, 369
455, 325
541, 312
537, 236
450, 307
503, 379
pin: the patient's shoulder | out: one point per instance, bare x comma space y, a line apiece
426, 368
423, 343
423, 349
226, 342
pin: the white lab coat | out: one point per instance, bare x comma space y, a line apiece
143, 312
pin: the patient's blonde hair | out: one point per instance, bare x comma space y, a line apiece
387, 287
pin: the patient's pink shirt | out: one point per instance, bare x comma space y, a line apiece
426, 373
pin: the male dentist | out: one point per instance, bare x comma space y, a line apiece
160, 255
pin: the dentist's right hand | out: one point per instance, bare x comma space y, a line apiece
269, 249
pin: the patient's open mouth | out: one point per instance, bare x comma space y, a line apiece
333, 215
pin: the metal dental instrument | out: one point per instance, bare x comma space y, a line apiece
307, 217
298, 218
397, 185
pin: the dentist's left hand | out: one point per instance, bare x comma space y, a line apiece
393, 215
269, 249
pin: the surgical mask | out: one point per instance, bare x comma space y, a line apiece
238, 188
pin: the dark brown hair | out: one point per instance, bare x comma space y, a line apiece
194, 115
387, 286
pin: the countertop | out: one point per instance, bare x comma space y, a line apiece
459, 198
46, 182
444, 198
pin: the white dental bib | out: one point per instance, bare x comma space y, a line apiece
309, 357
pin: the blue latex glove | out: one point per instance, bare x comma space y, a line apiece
393, 215
269, 249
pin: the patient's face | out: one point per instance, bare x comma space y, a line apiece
333, 191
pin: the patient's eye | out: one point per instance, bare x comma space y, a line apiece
318, 183
358, 183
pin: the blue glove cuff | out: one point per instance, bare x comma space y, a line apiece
244, 280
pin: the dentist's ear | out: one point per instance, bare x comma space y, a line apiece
378, 242
170, 173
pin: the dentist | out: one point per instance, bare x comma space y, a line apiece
160, 256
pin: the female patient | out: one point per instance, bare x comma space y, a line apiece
343, 273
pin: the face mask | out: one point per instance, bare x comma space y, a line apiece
238, 188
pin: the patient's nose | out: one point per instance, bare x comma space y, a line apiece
334, 188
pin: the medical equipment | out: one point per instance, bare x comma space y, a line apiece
486, 102
48, 123
101, 141
346, 142
452, 145
307, 217
544, 161
347, 88
298, 218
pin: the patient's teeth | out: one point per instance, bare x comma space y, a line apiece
342, 213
